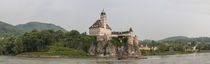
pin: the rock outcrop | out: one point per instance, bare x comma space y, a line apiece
108, 49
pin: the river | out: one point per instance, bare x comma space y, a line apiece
195, 58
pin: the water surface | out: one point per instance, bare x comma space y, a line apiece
195, 58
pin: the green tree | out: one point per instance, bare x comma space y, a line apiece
163, 47
179, 47
73, 33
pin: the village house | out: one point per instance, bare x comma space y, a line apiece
190, 47
144, 47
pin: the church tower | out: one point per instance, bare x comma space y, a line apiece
103, 19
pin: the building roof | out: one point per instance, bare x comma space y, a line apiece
131, 30
98, 24
117, 33
103, 12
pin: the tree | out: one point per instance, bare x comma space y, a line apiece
38, 41
163, 47
59, 35
73, 33
179, 47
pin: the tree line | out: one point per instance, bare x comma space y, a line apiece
38, 41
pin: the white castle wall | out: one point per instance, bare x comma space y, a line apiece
94, 32
99, 31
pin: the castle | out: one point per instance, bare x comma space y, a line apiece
103, 31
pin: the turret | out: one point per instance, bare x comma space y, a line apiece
136, 41
103, 19
131, 32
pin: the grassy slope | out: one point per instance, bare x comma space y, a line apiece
58, 51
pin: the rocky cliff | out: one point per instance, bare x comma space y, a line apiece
110, 49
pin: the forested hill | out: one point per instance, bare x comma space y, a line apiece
28, 27
176, 38
7, 30
184, 38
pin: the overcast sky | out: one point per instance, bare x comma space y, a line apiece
150, 19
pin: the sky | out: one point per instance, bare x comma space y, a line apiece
150, 19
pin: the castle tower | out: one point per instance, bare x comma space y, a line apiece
136, 41
131, 32
130, 37
103, 19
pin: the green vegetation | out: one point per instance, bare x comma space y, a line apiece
163, 47
28, 27
35, 40
176, 38
47, 42
116, 41
7, 30
59, 51
152, 52
177, 45
184, 38
169, 47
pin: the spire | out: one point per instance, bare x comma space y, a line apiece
103, 12
131, 30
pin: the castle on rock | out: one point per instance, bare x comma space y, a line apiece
103, 31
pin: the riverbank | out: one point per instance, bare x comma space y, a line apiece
157, 53
73, 55
56, 54
78, 54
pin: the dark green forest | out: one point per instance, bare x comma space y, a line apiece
47, 42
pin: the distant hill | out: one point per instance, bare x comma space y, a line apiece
7, 30
28, 27
175, 38
146, 40
178, 38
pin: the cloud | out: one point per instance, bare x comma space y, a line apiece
151, 19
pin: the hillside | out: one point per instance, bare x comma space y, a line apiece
178, 38
175, 38
7, 30
28, 27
